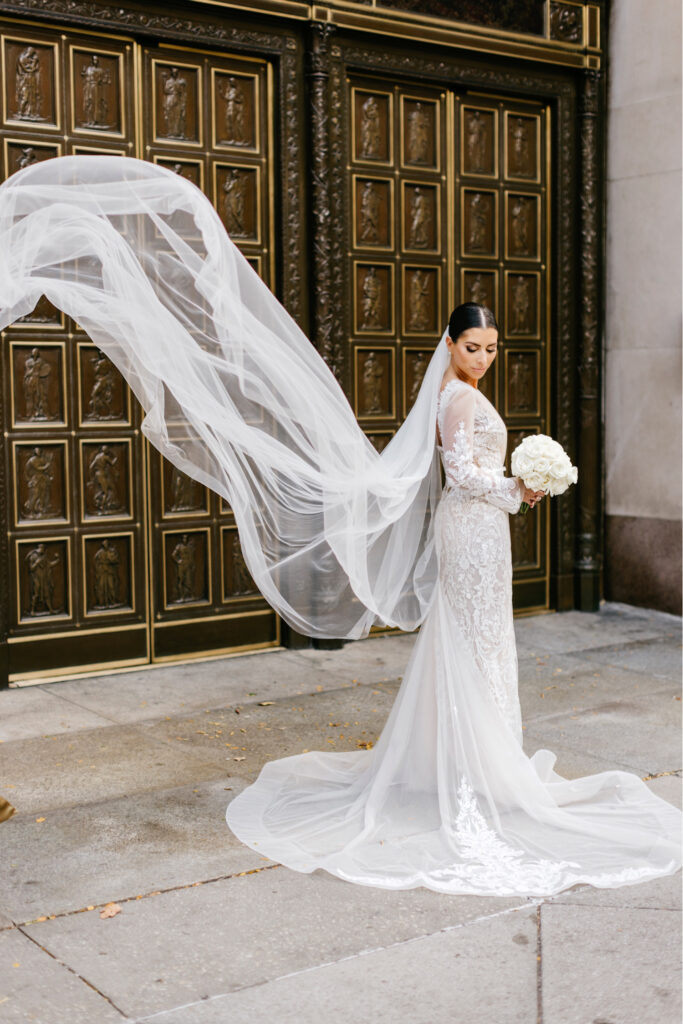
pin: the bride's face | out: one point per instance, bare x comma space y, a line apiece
473, 352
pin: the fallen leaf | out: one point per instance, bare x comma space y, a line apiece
239, 758
111, 910
265, 703
40, 819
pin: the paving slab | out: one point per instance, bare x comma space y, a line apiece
669, 787
564, 632
138, 696
183, 946
609, 965
342, 719
32, 711
68, 769
34, 987
375, 660
485, 971
657, 659
642, 733
557, 683
121, 849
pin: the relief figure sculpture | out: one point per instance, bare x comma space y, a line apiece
107, 582
417, 148
185, 569
36, 384
420, 220
476, 143
101, 402
41, 581
479, 293
104, 481
372, 302
39, 474
476, 241
234, 191
242, 582
369, 213
26, 157
370, 131
183, 491
522, 539
95, 81
234, 112
373, 377
520, 225
419, 370
418, 299
519, 153
174, 104
521, 386
27, 85
521, 306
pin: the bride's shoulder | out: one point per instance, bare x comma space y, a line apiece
453, 386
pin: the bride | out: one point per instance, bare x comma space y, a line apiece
337, 538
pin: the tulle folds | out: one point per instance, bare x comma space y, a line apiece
336, 536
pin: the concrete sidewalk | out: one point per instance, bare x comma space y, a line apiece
121, 784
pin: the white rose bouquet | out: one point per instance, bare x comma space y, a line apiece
543, 465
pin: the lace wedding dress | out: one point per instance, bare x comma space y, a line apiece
474, 537
337, 537
447, 799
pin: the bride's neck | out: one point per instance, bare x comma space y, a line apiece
458, 373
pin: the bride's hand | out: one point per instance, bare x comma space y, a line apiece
531, 497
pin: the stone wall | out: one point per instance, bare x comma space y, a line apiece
642, 375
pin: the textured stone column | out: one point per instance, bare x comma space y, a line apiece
318, 73
589, 533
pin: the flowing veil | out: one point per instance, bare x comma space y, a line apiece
336, 536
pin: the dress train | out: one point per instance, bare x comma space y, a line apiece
448, 800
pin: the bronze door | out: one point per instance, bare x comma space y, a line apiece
115, 558
450, 197
502, 246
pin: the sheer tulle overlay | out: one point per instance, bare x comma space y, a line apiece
337, 537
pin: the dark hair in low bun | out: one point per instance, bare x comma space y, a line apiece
469, 314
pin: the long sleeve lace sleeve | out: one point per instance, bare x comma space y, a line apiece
462, 471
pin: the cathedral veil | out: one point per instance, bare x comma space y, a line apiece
335, 535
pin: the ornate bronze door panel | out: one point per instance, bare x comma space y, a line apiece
502, 241
449, 196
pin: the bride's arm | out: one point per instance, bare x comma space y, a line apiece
457, 430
